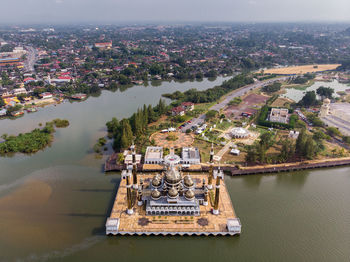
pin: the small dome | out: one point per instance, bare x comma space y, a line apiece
156, 181
173, 193
189, 195
188, 181
326, 101
155, 194
172, 176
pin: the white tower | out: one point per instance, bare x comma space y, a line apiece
325, 108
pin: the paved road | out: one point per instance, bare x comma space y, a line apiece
236, 93
32, 55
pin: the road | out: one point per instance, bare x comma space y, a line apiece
32, 55
236, 93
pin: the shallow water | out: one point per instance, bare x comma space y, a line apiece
297, 95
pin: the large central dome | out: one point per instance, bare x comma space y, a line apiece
173, 176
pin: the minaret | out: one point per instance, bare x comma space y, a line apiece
218, 175
211, 167
139, 193
205, 202
128, 193
134, 167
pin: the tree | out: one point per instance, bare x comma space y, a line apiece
272, 88
113, 125
156, 69
211, 114
333, 131
310, 148
287, 150
325, 92
309, 99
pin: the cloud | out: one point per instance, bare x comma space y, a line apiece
59, 2
252, 2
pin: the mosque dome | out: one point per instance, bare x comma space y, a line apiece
155, 194
326, 101
173, 176
156, 181
173, 193
188, 181
189, 195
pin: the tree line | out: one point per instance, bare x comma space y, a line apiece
134, 128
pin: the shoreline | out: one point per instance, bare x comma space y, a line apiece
61, 101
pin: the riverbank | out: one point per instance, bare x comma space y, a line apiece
60, 98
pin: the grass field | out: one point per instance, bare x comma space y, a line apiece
293, 70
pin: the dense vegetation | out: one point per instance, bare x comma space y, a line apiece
60, 123
305, 147
309, 99
275, 87
31, 142
127, 130
325, 92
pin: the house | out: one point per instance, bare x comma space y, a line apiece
178, 111
190, 156
293, 134
28, 80
235, 151
154, 155
107, 45
45, 95
188, 106
18, 91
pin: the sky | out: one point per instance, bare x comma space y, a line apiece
116, 11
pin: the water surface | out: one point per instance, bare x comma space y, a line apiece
54, 204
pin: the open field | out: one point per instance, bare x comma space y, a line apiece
250, 104
281, 102
294, 70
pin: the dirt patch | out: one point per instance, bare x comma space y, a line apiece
250, 105
293, 70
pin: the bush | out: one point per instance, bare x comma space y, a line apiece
60, 123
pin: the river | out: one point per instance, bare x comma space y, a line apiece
53, 205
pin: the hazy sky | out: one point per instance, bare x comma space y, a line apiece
66, 11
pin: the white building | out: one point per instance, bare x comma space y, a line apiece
293, 134
279, 115
190, 156
18, 91
240, 132
154, 155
